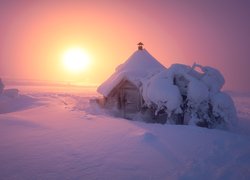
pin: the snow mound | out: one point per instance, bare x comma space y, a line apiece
12, 93
188, 96
223, 106
149, 137
161, 93
197, 92
10, 102
213, 79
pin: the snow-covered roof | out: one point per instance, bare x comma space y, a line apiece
138, 66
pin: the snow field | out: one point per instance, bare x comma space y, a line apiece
56, 135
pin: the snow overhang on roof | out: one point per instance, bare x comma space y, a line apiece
136, 68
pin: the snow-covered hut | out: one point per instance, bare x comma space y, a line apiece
142, 88
122, 90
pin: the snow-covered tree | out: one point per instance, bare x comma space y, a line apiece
188, 96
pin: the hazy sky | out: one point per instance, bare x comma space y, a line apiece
34, 34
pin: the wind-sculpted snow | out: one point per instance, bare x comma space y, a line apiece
12, 104
63, 136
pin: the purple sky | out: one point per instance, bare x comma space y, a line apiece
212, 32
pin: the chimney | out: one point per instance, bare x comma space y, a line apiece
140, 46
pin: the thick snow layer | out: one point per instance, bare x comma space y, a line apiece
118, 77
181, 91
197, 92
140, 61
59, 135
192, 94
138, 66
213, 79
161, 92
223, 106
15, 103
186, 82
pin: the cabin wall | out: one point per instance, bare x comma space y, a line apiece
130, 98
125, 99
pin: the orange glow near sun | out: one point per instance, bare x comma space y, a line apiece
76, 60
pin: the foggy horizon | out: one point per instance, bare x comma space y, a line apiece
35, 35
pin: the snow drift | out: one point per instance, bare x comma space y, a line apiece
59, 135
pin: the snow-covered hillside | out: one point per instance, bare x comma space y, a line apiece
58, 134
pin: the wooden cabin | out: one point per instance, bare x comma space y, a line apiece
122, 91
126, 98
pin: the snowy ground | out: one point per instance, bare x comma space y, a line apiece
49, 133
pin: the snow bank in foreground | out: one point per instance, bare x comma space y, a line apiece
58, 138
10, 102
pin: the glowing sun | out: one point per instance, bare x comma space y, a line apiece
75, 60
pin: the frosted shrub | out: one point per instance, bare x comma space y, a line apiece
182, 95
